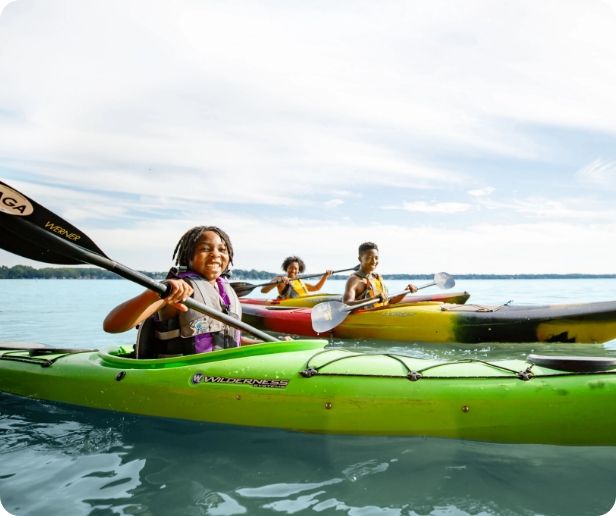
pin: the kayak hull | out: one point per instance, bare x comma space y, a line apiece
301, 386
435, 322
313, 299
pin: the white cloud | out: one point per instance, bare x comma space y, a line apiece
599, 173
582, 208
578, 209
3, 4
333, 203
481, 192
255, 92
436, 207
261, 243
149, 117
488, 248
157, 93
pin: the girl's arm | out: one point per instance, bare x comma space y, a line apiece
276, 282
319, 285
136, 310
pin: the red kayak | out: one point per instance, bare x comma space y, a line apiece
458, 298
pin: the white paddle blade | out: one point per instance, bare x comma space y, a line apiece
328, 315
444, 280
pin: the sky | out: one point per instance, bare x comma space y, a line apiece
468, 137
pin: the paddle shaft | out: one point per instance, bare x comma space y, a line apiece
300, 277
306, 276
87, 256
378, 299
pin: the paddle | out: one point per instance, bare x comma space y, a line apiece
326, 316
243, 288
32, 231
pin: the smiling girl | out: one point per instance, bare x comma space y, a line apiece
202, 257
290, 285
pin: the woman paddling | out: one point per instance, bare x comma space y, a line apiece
202, 257
288, 286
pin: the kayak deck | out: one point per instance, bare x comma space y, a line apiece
313, 299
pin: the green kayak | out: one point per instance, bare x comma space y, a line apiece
304, 386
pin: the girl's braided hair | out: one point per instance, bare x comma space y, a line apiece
185, 248
290, 259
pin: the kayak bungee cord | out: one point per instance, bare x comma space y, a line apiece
413, 375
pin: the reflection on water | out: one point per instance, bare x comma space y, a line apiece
59, 460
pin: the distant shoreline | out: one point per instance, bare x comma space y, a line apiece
27, 272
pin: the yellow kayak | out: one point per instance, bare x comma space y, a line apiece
439, 322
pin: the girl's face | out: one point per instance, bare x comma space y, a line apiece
211, 256
293, 269
369, 260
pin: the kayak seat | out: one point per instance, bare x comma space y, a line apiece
145, 347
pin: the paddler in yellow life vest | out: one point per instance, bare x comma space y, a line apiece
366, 284
288, 286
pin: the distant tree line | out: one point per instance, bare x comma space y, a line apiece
27, 272
241, 274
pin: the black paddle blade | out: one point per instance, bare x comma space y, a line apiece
14, 243
15, 207
242, 288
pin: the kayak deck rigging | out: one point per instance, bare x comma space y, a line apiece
35, 355
564, 365
411, 374
124, 358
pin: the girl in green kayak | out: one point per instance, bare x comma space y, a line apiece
288, 286
202, 258
366, 283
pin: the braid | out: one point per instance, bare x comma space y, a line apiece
185, 248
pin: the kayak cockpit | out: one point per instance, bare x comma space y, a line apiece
124, 355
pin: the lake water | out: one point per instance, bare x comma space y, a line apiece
61, 460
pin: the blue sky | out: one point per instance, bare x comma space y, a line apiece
470, 136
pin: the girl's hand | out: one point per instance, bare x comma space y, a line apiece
179, 292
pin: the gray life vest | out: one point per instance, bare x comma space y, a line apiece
184, 333
193, 323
